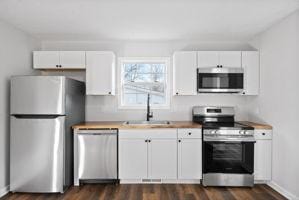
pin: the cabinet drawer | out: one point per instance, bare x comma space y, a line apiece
148, 133
263, 134
189, 133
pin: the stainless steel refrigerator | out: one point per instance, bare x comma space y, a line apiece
43, 109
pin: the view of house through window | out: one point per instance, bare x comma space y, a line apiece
143, 77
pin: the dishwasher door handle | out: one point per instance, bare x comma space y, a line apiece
97, 134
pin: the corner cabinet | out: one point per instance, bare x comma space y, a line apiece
263, 155
184, 73
100, 73
59, 59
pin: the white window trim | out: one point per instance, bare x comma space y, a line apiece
121, 60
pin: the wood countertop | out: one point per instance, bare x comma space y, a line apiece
173, 124
256, 125
121, 125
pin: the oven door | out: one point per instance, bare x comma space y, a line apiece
220, 80
229, 157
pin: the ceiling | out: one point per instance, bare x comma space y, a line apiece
145, 19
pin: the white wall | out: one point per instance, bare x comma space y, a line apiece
278, 102
15, 59
106, 108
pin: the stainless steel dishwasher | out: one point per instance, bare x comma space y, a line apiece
95, 155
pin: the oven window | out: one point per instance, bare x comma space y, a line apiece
220, 81
220, 157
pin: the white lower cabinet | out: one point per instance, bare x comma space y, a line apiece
159, 155
162, 158
189, 159
263, 155
132, 159
148, 154
189, 154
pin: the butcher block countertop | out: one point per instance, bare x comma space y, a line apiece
121, 125
256, 125
173, 124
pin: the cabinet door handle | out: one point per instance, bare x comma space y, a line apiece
177, 93
149, 140
109, 92
145, 141
179, 141
189, 133
263, 133
56, 65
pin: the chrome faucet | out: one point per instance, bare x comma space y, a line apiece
149, 114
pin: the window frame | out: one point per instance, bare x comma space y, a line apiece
122, 60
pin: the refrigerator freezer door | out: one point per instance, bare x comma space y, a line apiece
37, 95
36, 154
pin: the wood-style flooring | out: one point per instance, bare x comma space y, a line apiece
155, 192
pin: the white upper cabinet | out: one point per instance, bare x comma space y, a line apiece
59, 59
100, 73
185, 64
219, 58
208, 59
184, 68
72, 59
46, 59
250, 63
230, 59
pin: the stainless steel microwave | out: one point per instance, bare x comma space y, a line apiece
220, 80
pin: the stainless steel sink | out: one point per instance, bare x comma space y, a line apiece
147, 122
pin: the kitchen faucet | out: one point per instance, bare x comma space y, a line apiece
149, 114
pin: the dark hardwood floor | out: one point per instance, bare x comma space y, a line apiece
153, 192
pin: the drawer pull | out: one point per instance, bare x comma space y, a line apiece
263, 133
189, 133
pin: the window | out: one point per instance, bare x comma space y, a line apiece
140, 77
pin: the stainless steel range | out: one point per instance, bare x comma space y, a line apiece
228, 147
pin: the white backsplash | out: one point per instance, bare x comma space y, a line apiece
105, 108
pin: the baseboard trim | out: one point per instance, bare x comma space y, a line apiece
4, 191
282, 191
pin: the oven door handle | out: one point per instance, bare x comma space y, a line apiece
229, 140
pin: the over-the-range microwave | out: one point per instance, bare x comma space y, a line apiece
220, 80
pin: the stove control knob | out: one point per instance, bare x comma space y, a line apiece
213, 132
241, 132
